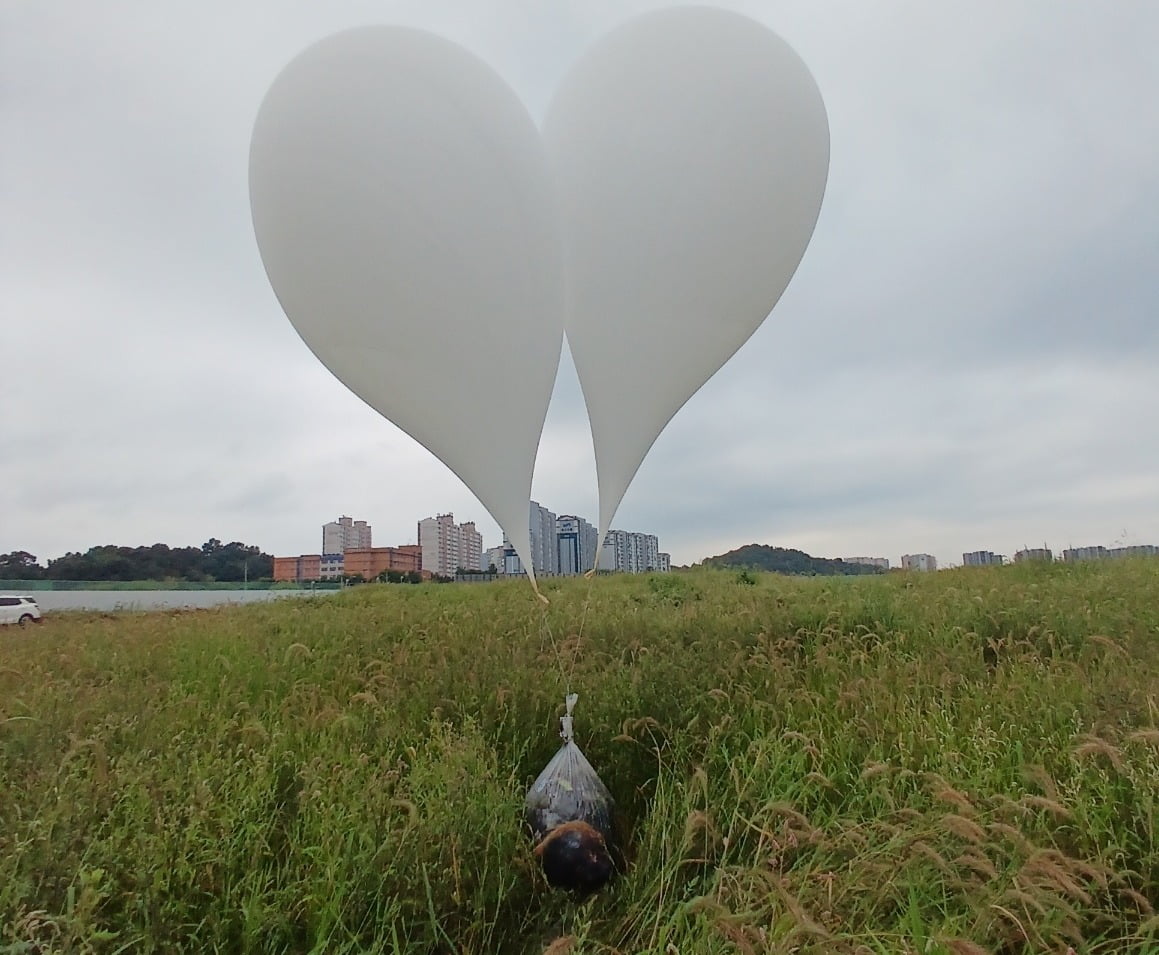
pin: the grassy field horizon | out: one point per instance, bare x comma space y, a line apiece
954, 763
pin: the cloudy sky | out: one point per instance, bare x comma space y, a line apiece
966, 359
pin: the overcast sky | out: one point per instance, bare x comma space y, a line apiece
966, 358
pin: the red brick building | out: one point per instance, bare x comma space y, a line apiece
365, 562
369, 562
306, 567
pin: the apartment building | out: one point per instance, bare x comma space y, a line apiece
470, 547
1073, 555
345, 534
882, 562
544, 545
301, 569
369, 562
1135, 550
631, 552
922, 562
982, 558
447, 546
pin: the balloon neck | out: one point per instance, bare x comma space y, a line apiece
565, 722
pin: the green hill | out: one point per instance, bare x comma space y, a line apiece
786, 560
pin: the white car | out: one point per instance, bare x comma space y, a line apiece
22, 610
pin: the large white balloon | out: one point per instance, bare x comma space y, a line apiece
691, 150
403, 209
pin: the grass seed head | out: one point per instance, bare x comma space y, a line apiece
1149, 736
964, 828
1095, 746
960, 946
1043, 804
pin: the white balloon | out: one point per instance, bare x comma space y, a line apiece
403, 208
691, 149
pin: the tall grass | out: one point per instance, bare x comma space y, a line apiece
955, 763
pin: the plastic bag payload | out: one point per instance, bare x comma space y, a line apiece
571, 814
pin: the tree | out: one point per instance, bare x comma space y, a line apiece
20, 565
213, 561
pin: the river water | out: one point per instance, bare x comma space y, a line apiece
112, 600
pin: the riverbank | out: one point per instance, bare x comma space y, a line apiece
39, 586
114, 600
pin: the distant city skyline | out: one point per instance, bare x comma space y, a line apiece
566, 544
358, 534
560, 545
941, 560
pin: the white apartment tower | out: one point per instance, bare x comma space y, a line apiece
981, 558
447, 546
439, 542
919, 562
881, 562
345, 534
470, 547
1135, 550
632, 553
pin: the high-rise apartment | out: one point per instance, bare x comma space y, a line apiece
1135, 550
345, 534
544, 550
981, 558
882, 562
630, 552
541, 526
447, 546
470, 547
1075, 554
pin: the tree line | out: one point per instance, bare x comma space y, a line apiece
213, 561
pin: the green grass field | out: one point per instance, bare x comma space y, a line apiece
962, 762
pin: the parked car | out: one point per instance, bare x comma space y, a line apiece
22, 610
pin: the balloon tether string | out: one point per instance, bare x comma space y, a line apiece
566, 674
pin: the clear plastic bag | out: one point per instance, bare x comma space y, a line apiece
571, 814
569, 790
